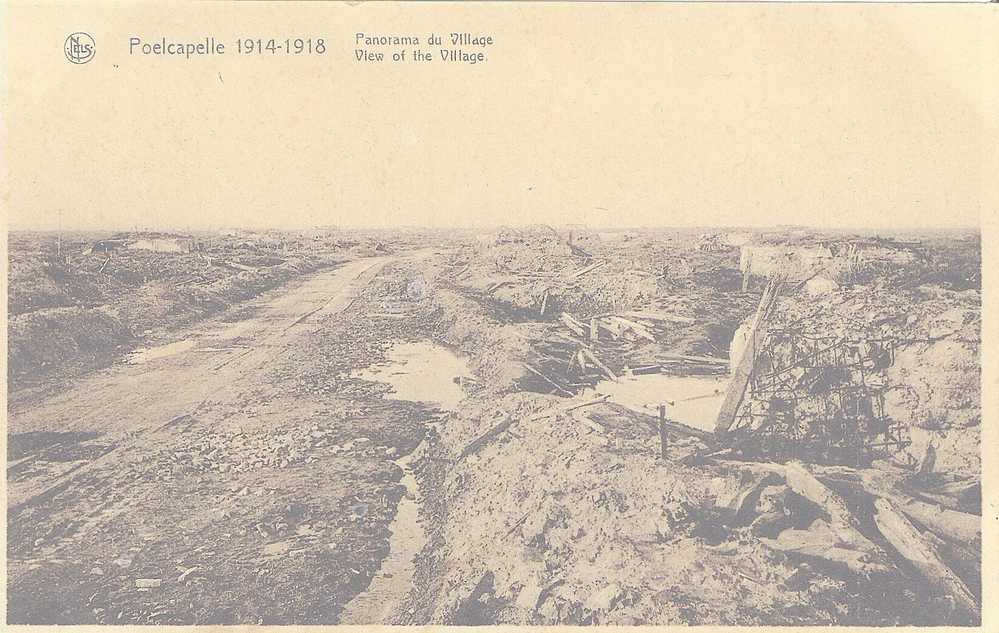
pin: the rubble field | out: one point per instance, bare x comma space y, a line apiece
733, 427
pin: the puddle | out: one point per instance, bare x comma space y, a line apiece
696, 399
141, 356
421, 372
393, 581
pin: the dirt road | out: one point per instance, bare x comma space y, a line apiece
220, 478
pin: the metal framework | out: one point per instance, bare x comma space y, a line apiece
819, 398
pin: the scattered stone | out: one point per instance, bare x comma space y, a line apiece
148, 583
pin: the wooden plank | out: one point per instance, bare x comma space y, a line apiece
615, 329
696, 359
486, 437
635, 327
569, 323
658, 316
590, 268
596, 361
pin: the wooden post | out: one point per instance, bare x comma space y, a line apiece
744, 368
746, 272
663, 440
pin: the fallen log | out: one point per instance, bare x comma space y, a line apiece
818, 545
496, 286
965, 496
957, 526
924, 556
566, 409
955, 488
960, 527
842, 519
741, 502
644, 369
616, 330
967, 564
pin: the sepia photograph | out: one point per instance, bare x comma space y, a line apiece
497, 314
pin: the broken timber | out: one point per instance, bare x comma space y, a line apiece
744, 370
596, 361
842, 521
583, 271
924, 555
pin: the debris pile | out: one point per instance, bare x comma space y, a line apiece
832, 474
842, 485
565, 514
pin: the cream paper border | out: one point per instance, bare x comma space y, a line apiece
27, 53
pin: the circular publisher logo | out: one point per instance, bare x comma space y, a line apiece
80, 48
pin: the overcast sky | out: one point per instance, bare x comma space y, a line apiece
608, 115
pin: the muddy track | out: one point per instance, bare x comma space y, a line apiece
270, 338
241, 480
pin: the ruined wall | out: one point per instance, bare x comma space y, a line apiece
161, 245
797, 261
